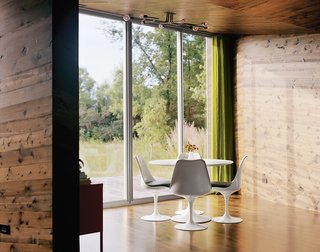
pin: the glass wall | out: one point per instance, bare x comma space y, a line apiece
154, 102
101, 103
154, 94
195, 92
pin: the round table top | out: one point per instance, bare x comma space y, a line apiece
209, 162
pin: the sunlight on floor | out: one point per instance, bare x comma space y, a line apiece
90, 242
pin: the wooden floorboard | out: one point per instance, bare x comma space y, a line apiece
266, 227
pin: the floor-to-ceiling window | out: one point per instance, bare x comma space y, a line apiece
195, 92
101, 103
154, 75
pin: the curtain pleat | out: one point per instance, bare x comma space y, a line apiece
222, 106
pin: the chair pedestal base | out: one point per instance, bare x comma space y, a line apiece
155, 217
190, 227
197, 218
183, 211
227, 219
190, 218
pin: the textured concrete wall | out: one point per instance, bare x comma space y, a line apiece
278, 117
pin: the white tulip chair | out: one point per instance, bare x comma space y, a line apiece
226, 192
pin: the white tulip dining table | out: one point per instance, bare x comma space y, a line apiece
197, 217
209, 162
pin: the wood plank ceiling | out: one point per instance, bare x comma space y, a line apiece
225, 16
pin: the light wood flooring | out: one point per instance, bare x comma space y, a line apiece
266, 226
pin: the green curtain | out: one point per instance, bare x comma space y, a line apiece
222, 105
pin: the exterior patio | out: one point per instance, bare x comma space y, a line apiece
113, 188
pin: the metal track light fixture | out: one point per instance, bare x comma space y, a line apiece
144, 19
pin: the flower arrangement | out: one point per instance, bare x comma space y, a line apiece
191, 147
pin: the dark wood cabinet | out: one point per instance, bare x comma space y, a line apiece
91, 210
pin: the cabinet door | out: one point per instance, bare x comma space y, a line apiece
91, 215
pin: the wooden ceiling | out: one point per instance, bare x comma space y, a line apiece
225, 16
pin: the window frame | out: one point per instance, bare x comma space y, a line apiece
127, 101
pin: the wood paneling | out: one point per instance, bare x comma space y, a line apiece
26, 125
228, 16
277, 117
27, 110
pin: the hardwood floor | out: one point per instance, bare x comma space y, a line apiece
266, 226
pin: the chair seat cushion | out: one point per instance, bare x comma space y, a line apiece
220, 184
159, 182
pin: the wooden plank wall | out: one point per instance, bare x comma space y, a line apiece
26, 125
278, 117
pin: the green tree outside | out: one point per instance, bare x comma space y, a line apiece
154, 89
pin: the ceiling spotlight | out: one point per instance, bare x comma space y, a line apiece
195, 28
169, 17
126, 18
170, 22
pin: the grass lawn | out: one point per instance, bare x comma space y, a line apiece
107, 159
